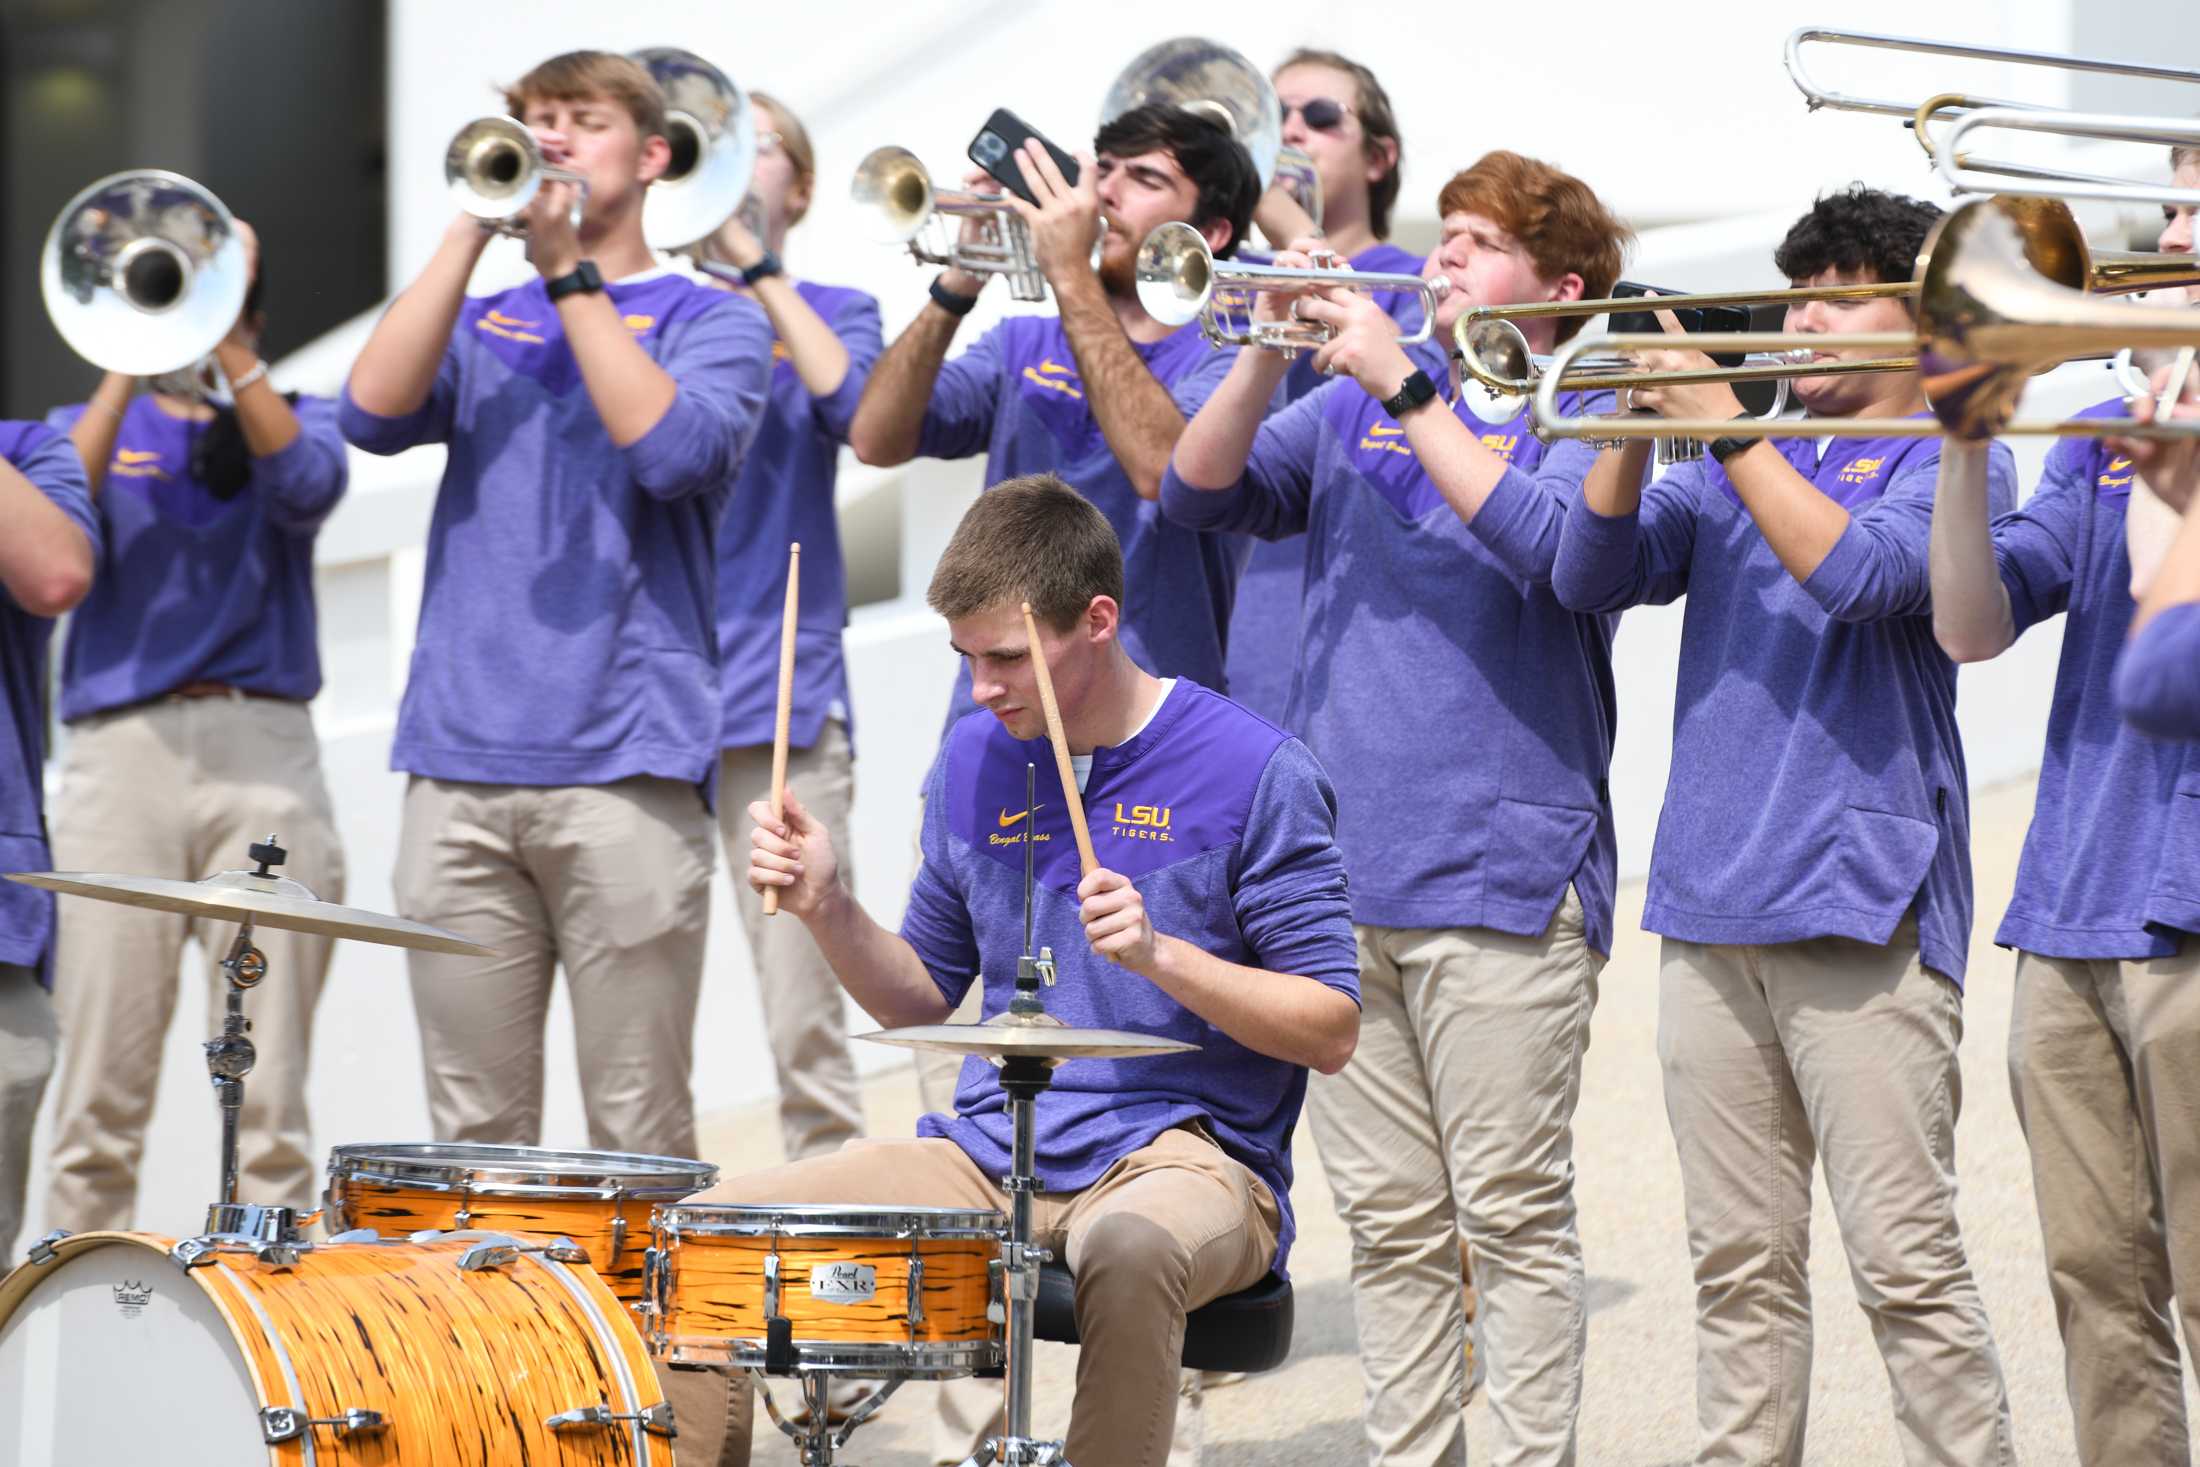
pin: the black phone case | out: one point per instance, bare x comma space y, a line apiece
994, 150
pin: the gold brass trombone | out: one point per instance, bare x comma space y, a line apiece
1988, 319
494, 168
1493, 353
1180, 280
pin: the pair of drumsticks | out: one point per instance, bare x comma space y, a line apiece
1086, 861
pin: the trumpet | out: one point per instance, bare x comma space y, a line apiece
1987, 320
494, 168
1180, 280
893, 188
1493, 353
1212, 81
713, 138
144, 273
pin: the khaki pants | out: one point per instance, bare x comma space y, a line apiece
612, 881
180, 788
26, 1060
1774, 1057
2104, 1062
1165, 1230
1456, 1116
820, 1104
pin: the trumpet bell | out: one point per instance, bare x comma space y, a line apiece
144, 273
1209, 79
1175, 274
893, 190
493, 168
713, 138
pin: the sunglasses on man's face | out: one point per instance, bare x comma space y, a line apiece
1323, 114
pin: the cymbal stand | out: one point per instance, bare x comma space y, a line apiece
1023, 1080
230, 1056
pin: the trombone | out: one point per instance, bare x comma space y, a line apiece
143, 273
494, 168
1492, 351
1180, 280
1963, 175
1987, 320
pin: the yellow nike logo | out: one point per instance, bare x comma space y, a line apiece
136, 455
503, 320
1381, 432
1007, 819
1048, 364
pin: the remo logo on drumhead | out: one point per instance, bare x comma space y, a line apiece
131, 1297
843, 1283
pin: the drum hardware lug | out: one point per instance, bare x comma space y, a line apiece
280, 1255
656, 1420
462, 1219
280, 1424
916, 1291
249, 1223
771, 1285
778, 1345
42, 1251
190, 1253
618, 1239
482, 1256
996, 1311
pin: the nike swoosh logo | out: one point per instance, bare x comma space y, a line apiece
136, 455
1049, 365
1381, 432
1007, 819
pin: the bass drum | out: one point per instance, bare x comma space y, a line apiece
456, 1350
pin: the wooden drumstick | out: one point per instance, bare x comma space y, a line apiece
1087, 862
786, 703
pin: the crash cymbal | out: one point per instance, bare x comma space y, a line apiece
266, 901
1029, 1041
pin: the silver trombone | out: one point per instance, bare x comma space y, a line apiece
713, 138
494, 168
144, 273
1965, 176
1210, 80
1180, 280
893, 188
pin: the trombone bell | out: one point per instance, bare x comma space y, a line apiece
143, 273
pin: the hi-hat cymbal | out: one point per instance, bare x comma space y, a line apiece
1029, 1041
266, 901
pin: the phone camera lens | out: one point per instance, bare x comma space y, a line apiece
989, 148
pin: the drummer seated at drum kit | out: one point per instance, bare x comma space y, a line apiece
1164, 1180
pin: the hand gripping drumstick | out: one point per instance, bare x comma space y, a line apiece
786, 704
1087, 862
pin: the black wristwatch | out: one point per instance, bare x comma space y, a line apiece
768, 265
1412, 392
1722, 449
952, 302
585, 277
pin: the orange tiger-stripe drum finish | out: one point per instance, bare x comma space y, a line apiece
461, 1350
865, 1291
599, 1199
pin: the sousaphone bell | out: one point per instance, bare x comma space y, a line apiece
713, 137
1210, 80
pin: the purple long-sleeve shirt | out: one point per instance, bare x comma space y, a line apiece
1226, 824
2111, 865
568, 625
193, 587
1482, 794
1817, 785
785, 494
2158, 676
26, 914
1016, 397
1264, 620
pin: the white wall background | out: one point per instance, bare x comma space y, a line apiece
1684, 120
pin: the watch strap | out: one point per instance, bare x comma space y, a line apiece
953, 302
767, 266
1415, 390
584, 277
1722, 449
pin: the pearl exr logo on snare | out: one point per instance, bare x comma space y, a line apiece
843, 1283
1143, 822
131, 1297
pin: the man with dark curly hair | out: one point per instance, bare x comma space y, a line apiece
1811, 877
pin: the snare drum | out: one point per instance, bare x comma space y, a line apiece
462, 1350
866, 1291
599, 1199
